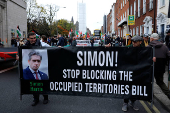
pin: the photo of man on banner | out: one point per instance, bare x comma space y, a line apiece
31, 69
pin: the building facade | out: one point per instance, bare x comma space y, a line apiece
109, 23
121, 14
104, 24
145, 12
113, 19
82, 17
12, 14
163, 22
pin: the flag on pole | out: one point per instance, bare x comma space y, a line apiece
85, 34
18, 32
37, 36
169, 10
71, 30
77, 33
88, 36
70, 34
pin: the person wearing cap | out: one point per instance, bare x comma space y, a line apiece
167, 39
160, 59
146, 40
136, 42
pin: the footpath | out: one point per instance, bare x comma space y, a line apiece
159, 95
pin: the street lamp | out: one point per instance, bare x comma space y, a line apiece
56, 17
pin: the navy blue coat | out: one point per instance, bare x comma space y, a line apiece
61, 41
27, 75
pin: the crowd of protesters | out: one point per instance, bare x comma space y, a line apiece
160, 59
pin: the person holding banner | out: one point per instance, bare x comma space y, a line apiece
136, 42
162, 54
33, 42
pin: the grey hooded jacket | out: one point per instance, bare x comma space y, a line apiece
162, 55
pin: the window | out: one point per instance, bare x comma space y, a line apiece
151, 5
123, 3
125, 14
131, 10
121, 17
134, 8
141, 30
24, 34
127, 11
138, 8
12, 33
133, 31
130, 32
144, 6
137, 30
162, 3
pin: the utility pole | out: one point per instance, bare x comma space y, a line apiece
154, 5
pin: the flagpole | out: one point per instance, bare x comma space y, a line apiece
169, 10
154, 14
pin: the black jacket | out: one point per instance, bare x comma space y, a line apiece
167, 40
162, 55
37, 43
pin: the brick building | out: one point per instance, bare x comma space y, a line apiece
145, 12
121, 13
109, 23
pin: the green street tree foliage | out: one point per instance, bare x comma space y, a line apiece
41, 20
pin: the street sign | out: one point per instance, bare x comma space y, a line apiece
131, 20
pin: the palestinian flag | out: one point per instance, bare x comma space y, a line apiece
70, 34
18, 32
86, 33
169, 10
37, 36
77, 33
88, 36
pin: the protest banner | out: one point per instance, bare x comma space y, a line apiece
115, 72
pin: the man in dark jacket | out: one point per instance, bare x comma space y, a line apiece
61, 41
13, 42
161, 54
136, 42
32, 43
167, 39
92, 42
74, 43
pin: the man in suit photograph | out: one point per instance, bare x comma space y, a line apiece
32, 72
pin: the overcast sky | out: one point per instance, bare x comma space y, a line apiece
95, 10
